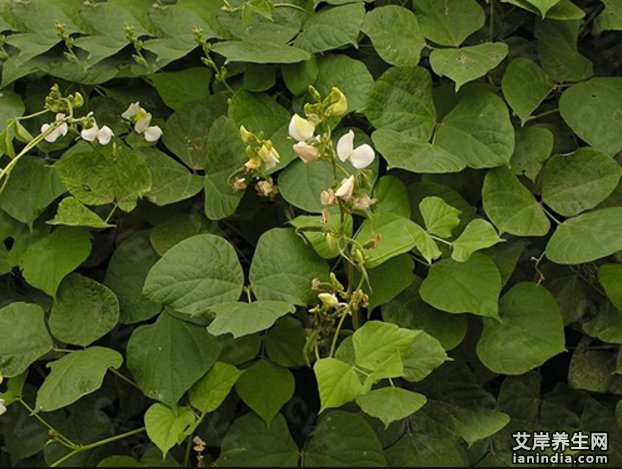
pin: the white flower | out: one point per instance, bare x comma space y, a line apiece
143, 121
346, 188
2, 407
153, 133
360, 157
131, 111
301, 129
329, 300
103, 135
90, 134
269, 156
307, 153
58, 132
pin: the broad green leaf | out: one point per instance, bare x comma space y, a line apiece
530, 331
479, 234
83, 311
511, 206
349, 75
478, 130
424, 355
591, 110
440, 218
574, 183
564, 10
427, 450
71, 212
51, 258
239, 351
543, 5
557, 49
170, 344
395, 34
343, 439
75, 375
23, 337
388, 235
411, 154
390, 404
261, 52
595, 371
240, 319
315, 229
610, 277
186, 130
401, 100
587, 237
11, 106
468, 63
299, 76
610, 19
250, 442
19, 197
128, 267
210, 391
376, 342
224, 156
391, 196
170, 232
265, 388
338, 382
525, 85
166, 426
196, 274
450, 22
533, 146
183, 86
170, 181
331, 28
390, 279
463, 287
285, 342
283, 268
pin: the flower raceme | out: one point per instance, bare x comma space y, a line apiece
142, 122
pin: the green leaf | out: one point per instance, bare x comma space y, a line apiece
174, 230
511, 206
285, 343
186, 130
196, 274
315, 228
574, 183
283, 268
100, 177
20, 200
75, 375
591, 110
557, 49
543, 5
338, 382
51, 258
261, 52
332, 28
299, 76
170, 344
389, 279
183, 86
127, 270
450, 22
376, 342
391, 404
83, 311
71, 212
525, 85
428, 450
586, 237
166, 426
563, 10
610, 277
439, 217
395, 34
392, 196
224, 155
343, 439
424, 355
464, 287
479, 130
401, 100
468, 63
11, 106
479, 234
250, 442
23, 337
240, 319
210, 391
265, 388
610, 19
349, 75
170, 181
595, 371
530, 331
533, 146
411, 154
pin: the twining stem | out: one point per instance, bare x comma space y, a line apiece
333, 346
97, 444
122, 377
61, 438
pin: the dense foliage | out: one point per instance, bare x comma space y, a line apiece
317, 233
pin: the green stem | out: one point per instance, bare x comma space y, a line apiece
122, 377
61, 438
289, 5
333, 346
188, 448
90, 446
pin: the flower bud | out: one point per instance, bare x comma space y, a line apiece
359, 256
329, 300
337, 285
328, 197
253, 163
269, 155
266, 189
247, 137
78, 100
331, 241
346, 188
363, 202
338, 103
239, 185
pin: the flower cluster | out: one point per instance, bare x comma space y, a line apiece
90, 130
142, 122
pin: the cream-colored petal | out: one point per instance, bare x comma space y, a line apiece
307, 153
104, 135
300, 128
153, 133
345, 146
362, 156
346, 188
